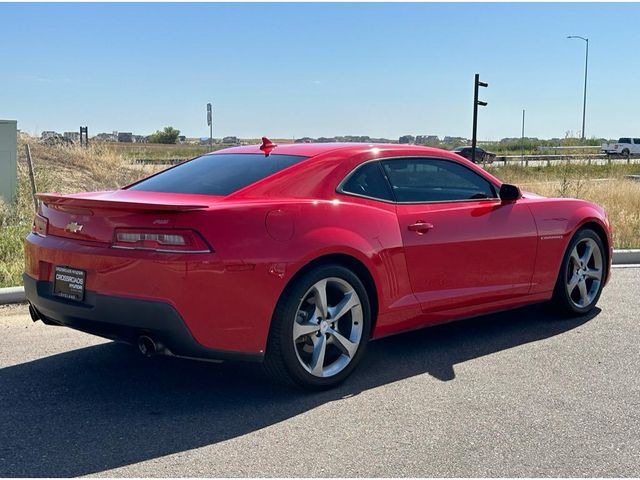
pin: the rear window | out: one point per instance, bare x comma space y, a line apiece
624, 140
219, 174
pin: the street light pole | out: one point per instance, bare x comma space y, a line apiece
210, 123
586, 63
522, 138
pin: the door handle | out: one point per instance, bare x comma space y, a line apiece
420, 226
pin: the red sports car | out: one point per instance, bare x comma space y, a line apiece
298, 255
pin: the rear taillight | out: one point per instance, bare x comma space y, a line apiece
40, 225
169, 241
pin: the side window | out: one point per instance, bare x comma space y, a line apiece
416, 180
636, 141
624, 140
369, 181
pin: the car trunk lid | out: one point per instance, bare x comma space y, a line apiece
94, 216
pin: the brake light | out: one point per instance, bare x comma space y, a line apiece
169, 241
40, 225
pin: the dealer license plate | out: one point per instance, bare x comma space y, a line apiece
69, 283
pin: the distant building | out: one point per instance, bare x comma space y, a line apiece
49, 134
231, 140
182, 139
138, 139
125, 137
305, 140
72, 136
106, 137
354, 139
427, 140
455, 140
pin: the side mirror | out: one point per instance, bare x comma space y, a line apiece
509, 193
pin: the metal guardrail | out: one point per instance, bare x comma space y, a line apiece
579, 147
164, 161
584, 159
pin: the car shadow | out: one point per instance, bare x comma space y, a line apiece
105, 406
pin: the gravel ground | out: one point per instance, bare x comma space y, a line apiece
520, 393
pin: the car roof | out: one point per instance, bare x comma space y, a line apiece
319, 155
314, 149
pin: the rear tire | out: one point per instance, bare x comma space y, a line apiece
582, 274
320, 329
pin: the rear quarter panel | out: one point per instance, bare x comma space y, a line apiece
260, 246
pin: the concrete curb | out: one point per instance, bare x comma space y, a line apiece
12, 295
620, 257
625, 257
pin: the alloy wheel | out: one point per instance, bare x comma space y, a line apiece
584, 273
328, 327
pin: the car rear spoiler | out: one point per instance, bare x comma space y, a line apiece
55, 199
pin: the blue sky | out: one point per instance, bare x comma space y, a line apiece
293, 70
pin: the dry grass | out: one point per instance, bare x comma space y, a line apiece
74, 169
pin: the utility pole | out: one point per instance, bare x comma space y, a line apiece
586, 64
476, 103
522, 141
210, 123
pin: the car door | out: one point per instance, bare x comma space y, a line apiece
463, 246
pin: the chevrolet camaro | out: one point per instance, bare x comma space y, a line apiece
297, 255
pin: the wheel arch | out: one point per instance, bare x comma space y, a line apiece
347, 261
600, 230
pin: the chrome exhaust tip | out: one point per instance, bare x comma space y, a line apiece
146, 345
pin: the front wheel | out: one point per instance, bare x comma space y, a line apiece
320, 328
582, 274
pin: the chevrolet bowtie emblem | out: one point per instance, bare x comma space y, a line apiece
73, 227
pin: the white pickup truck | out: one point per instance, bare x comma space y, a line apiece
624, 146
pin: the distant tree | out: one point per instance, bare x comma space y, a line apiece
168, 135
407, 139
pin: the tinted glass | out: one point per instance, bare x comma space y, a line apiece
368, 180
636, 141
624, 140
430, 180
220, 174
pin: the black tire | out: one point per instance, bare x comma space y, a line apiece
281, 360
626, 153
562, 299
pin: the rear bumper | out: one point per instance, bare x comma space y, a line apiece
124, 319
225, 305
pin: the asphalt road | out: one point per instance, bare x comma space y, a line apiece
522, 393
